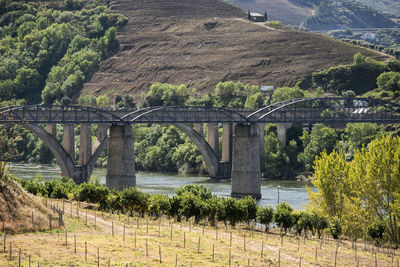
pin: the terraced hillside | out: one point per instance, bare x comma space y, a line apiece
203, 42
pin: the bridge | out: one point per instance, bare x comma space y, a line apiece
242, 135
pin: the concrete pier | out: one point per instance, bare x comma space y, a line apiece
68, 141
198, 127
85, 146
121, 158
281, 131
213, 137
51, 129
246, 173
226, 142
260, 132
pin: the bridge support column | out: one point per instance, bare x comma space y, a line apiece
246, 173
213, 137
121, 158
85, 146
226, 142
69, 140
101, 132
281, 131
260, 132
198, 127
51, 129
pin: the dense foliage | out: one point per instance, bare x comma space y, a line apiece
362, 194
49, 49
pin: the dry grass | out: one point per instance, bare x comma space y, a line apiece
49, 248
17, 207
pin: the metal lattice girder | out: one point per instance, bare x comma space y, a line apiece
306, 110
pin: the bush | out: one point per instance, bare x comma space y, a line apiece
283, 216
158, 205
265, 216
93, 193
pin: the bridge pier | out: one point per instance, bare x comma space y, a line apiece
121, 158
246, 173
281, 132
198, 127
261, 134
226, 142
85, 146
69, 140
51, 129
213, 137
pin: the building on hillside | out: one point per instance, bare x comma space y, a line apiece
256, 17
368, 36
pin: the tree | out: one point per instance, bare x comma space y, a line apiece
389, 81
335, 228
321, 138
265, 216
376, 231
283, 216
330, 172
254, 101
102, 101
286, 93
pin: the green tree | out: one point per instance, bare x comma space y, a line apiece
265, 216
283, 216
286, 93
102, 101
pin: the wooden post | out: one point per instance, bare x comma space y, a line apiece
137, 222
147, 249
298, 244
71, 208
316, 253
184, 239
244, 242
135, 240
213, 253
32, 221
204, 225
124, 233
98, 257
147, 229
216, 232
300, 262
50, 224
112, 228
66, 237
5, 240
86, 217
19, 258
229, 258
230, 239
75, 244
190, 226
10, 250
86, 251
171, 231
279, 258
198, 246
29, 261
262, 249
176, 260
95, 219
159, 252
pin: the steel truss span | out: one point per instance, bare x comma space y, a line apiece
305, 110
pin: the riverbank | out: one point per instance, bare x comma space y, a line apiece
292, 192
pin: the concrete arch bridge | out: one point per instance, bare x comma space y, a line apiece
242, 139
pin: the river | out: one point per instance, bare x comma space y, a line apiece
292, 192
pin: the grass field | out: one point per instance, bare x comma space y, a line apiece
119, 240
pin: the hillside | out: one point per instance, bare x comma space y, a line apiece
203, 48
18, 208
391, 7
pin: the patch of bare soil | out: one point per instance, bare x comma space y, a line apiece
200, 43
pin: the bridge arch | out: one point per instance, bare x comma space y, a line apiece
63, 159
328, 110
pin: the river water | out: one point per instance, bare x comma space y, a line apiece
292, 192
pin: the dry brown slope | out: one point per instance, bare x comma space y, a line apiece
157, 46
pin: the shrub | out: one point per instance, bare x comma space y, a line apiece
265, 216
335, 228
283, 216
376, 231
